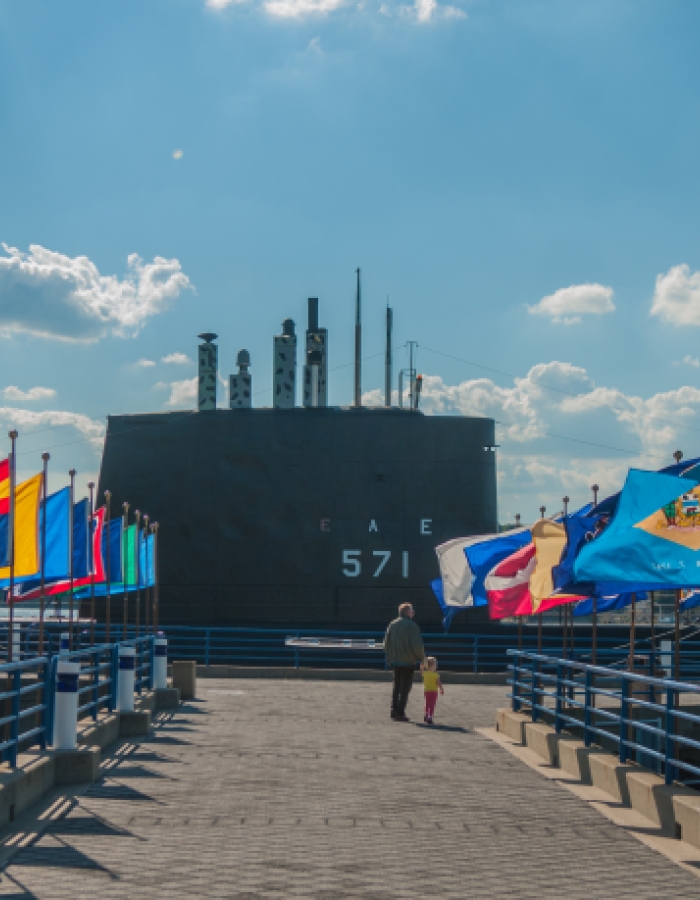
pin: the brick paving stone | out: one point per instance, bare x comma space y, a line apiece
285, 789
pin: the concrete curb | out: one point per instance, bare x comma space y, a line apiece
674, 809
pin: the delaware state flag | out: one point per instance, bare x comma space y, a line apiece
653, 538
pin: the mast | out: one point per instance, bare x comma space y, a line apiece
358, 345
387, 363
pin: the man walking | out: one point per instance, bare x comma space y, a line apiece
403, 647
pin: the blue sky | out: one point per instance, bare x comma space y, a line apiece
520, 178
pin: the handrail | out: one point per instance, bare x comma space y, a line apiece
642, 705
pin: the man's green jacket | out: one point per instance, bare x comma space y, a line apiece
403, 644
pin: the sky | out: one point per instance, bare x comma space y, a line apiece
518, 179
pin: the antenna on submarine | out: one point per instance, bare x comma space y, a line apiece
388, 361
358, 345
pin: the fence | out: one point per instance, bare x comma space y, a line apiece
28, 688
638, 716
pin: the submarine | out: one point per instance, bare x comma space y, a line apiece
301, 515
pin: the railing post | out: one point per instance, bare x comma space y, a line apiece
624, 714
114, 674
49, 698
96, 683
557, 701
151, 662
516, 684
475, 654
14, 728
670, 749
586, 709
533, 699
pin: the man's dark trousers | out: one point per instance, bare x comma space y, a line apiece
403, 682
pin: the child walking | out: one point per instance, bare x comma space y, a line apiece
431, 686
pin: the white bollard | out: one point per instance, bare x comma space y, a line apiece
64, 647
666, 657
125, 686
160, 663
16, 643
65, 725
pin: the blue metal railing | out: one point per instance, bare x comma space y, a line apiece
27, 697
639, 716
30, 679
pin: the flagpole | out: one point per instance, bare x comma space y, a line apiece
125, 561
108, 603
677, 648
147, 595
543, 510
137, 517
91, 486
11, 533
564, 635
594, 617
156, 597
633, 609
42, 601
70, 557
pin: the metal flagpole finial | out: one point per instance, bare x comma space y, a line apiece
678, 456
543, 510
595, 489
154, 527
108, 494
137, 514
125, 506
46, 456
565, 501
13, 434
72, 473
517, 519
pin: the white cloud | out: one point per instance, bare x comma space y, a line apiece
178, 154
36, 393
299, 9
177, 359
677, 296
182, 393
222, 4
27, 421
567, 305
146, 363
690, 361
426, 11
560, 433
45, 293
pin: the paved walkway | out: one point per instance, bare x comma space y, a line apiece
265, 789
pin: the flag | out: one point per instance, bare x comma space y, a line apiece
605, 604
508, 584
549, 538
129, 557
689, 600
147, 574
456, 577
483, 556
26, 530
608, 506
32, 589
653, 538
112, 545
4, 487
81, 539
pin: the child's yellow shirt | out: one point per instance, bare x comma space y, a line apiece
430, 681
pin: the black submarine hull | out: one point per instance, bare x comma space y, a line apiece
320, 517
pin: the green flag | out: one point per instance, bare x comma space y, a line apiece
129, 556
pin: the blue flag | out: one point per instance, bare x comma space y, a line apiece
113, 534
605, 604
81, 539
653, 538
